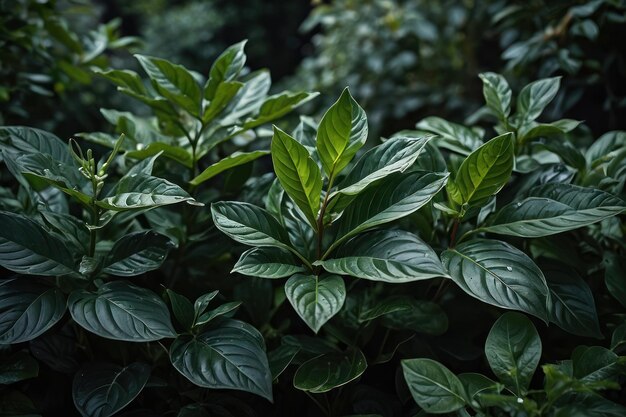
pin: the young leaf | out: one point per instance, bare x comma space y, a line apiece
328, 371
484, 172
182, 308
174, 82
136, 253
513, 350
452, 136
498, 274
229, 162
27, 248
225, 68
341, 133
554, 208
103, 389
386, 255
27, 309
267, 263
231, 355
316, 299
497, 94
534, 97
298, 174
433, 386
225, 92
277, 106
122, 311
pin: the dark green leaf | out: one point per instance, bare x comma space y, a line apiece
452, 136
316, 299
28, 140
182, 308
229, 162
330, 370
534, 97
225, 68
137, 253
422, 317
280, 358
268, 263
433, 386
497, 94
615, 276
17, 367
277, 106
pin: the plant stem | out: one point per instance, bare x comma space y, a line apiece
455, 227
320, 219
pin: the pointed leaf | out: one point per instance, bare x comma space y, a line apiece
316, 299
513, 350
498, 274
534, 97
497, 93
225, 68
137, 253
230, 356
277, 106
452, 136
268, 263
103, 389
229, 162
341, 133
122, 311
182, 308
433, 386
298, 174
328, 371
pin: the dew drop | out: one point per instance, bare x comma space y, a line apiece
508, 268
520, 401
519, 204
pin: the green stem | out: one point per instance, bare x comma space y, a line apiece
320, 219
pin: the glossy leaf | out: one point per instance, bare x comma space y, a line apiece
268, 263
452, 136
182, 308
277, 106
227, 163
225, 68
497, 93
137, 253
103, 389
498, 274
386, 255
27, 248
484, 172
316, 299
433, 386
230, 356
421, 316
554, 208
298, 174
534, 97
28, 140
122, 311
328, 371
28, 308
341, 133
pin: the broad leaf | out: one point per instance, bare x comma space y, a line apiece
280, 358
330, 370
28, 140
230, 356
513, 350
433, 386
122, 311
229, 162
174, 82
497, 93
182, 308
498, 274
484, 172
477, 384
393, 198
554, 208
596, 363
277, 106
225, 92
103, 389
27, 248
452, 136
268, 263
137, 253
421, 316
341, 133
387, 255
176, 153
534, 98
27, 309
298, 174
17, 367
316, 299
225, 68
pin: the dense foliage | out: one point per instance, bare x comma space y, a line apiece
202, 252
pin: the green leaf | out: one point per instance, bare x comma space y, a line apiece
573, 308
202, 303
182, 308
395, 155
17, 367
386, 255
590, 405
225, 68
596, 363
126, 79
229, 162
103, 389
513, 350
175, 153
421, 316
393, 304
217, 312
433, 386
277, 106
268, 263
315, 299
298, 174
484, 172
498, 274
394, 197
615, 276
136, 253
140, 191
280, 358
174, 82
248, 99
554, 208
27, 309
16, 404
225, 92
230, 356
122, 311
328, 371
497, 94
534, 97
452, 136
341, 133
477, 384
27, 248
28, 140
